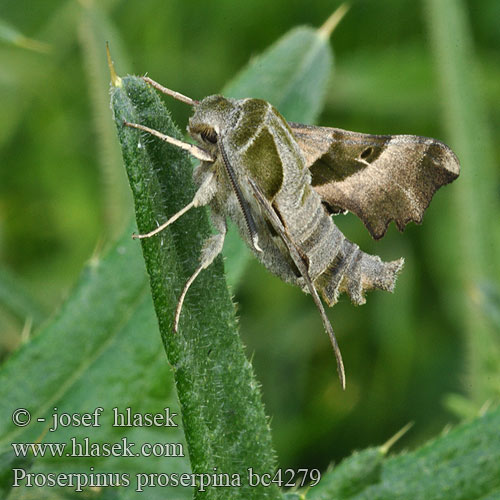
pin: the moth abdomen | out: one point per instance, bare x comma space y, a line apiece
354, 272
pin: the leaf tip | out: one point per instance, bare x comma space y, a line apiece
388, 444
116, 81
332, 22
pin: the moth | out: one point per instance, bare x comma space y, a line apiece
281, 182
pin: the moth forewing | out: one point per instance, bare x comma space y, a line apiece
275, 180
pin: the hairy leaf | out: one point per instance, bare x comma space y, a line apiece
461, 465
226, 428
101, 350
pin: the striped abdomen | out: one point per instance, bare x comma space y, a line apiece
335, 264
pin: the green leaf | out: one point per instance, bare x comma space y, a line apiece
292, 75
101, 350
463, 464
224, 421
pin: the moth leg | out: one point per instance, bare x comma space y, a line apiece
172, 219
211, 249
202, 197
297, 259
192, 149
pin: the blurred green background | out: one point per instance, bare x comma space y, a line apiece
430, 352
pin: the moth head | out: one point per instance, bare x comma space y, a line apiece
211, 117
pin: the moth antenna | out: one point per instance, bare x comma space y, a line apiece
171, 93
301, 266
331, 334
172, 219
326, 323
193, 150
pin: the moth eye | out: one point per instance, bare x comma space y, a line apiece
209, 135
366, 153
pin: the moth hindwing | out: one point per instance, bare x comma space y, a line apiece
280, 181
